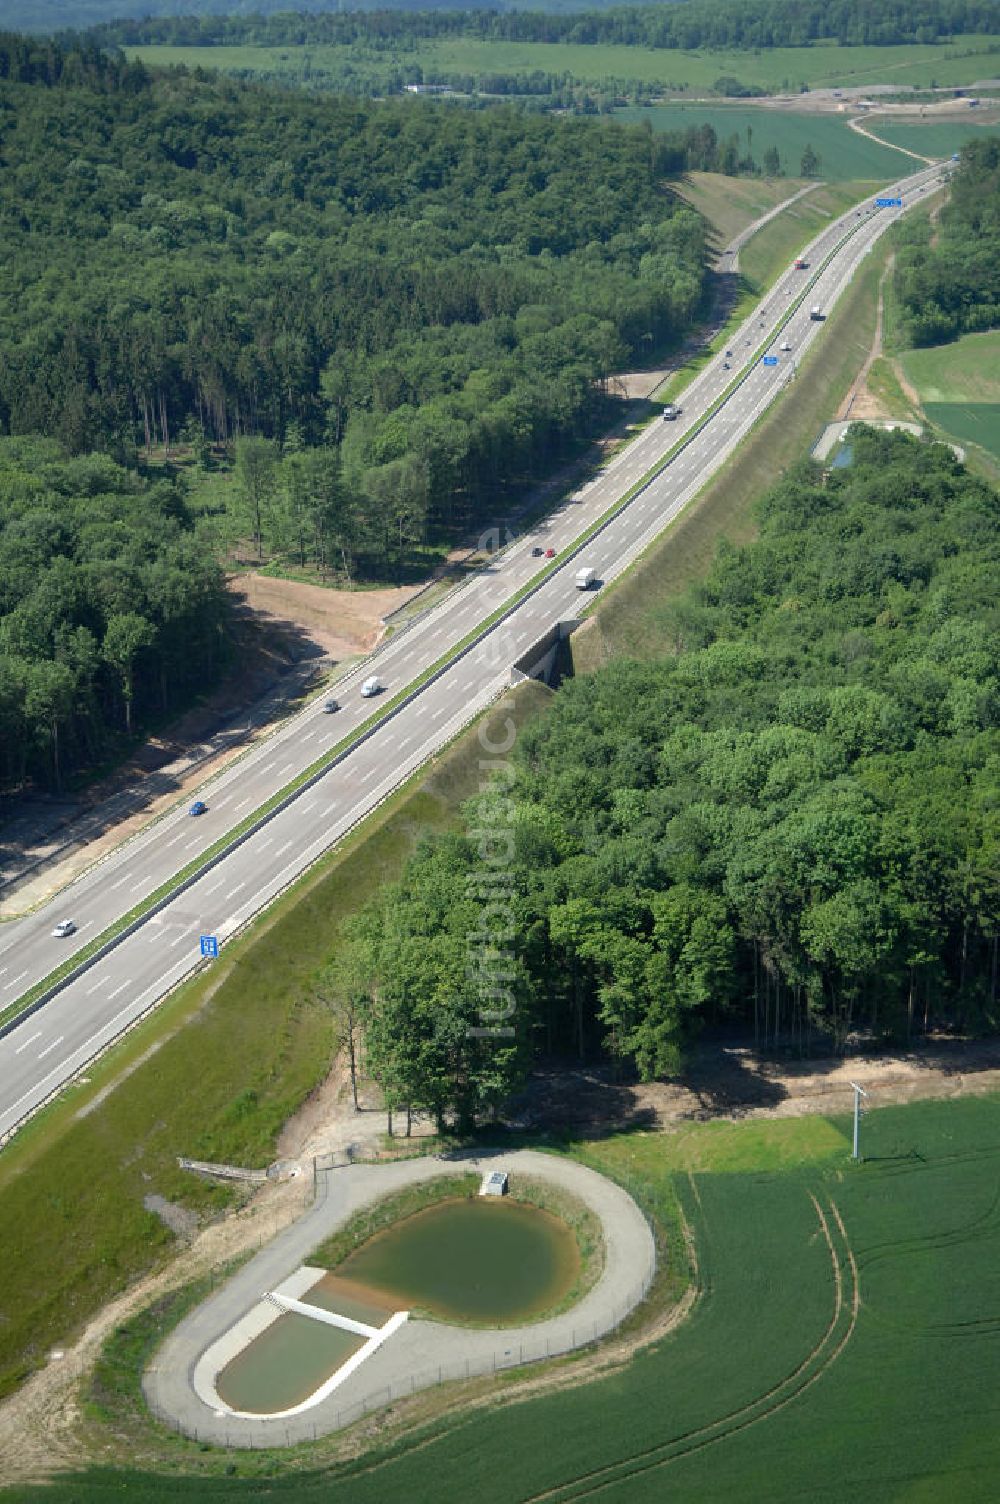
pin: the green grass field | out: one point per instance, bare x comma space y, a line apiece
959, 387
967, 370
937, 138
846, 1342
780, 68
968, 422
769, 252
843, 154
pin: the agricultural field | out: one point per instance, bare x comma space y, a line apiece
774, 69
967, 370
844, 1341
779, 69
933, 138
959, 387
843, 153
969, 422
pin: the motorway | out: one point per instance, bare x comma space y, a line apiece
51, 1045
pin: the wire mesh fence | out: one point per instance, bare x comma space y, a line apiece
230, 1432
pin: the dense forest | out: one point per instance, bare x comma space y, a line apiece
948, 274
387, 317
436, 294
790, 824
109, 610
685, 24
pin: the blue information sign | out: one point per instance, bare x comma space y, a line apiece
210, 946
770, 360
888, 203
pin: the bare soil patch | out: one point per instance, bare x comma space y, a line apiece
343, 623
734, 1082
290, 636
634, 385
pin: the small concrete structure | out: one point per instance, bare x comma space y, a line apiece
494, 1183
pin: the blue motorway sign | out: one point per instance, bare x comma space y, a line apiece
770, 360
210, 946
888, 203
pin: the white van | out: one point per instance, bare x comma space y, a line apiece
371, 687
586, 578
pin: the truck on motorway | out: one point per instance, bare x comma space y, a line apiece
816, 314
586, 578
670, 412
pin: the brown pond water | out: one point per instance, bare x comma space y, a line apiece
486, 1260
285, 1364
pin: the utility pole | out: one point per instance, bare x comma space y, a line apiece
859, 1092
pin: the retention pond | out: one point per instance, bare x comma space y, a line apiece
482, 1260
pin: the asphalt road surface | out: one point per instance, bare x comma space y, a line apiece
53, 1044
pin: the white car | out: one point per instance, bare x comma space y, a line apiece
784, 345
63, 928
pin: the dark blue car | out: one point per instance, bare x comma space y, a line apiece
198, 807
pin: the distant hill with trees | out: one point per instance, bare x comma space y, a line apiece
672, 23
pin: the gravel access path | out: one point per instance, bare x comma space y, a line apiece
421, 1353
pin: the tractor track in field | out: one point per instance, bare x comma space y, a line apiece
952, 1237
808, 1372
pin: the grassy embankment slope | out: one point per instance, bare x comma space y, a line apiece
730, 204
214, 1074
733, 203
844, 1340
